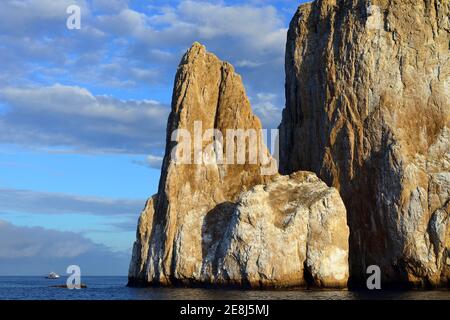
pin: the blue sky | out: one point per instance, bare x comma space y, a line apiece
83, 115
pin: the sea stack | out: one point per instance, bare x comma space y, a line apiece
368, 110
227, 224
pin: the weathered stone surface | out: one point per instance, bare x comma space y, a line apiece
189, 233
290, 232
138, 262
368, 110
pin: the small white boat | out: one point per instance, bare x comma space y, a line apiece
53, 275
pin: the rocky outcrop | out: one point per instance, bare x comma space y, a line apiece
222, 223
138, 265
290, 232
368, 106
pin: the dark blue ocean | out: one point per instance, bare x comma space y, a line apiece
114, 288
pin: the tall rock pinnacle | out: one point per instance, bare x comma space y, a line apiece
206, 91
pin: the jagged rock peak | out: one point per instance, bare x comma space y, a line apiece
207, 94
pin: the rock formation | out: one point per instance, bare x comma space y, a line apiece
290, 232
367, 110
228, 224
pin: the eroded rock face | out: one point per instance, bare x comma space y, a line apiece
138, 262
189, 233
291, 232
368, 110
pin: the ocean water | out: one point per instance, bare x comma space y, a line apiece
114, 288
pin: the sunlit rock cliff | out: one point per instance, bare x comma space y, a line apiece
367, 110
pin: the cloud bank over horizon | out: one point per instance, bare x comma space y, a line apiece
29, 201
72, 117
37, 251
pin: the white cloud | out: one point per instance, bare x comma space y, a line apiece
40, 242
249, 36
266, 108
125, 22
151, 161
72, 116
30, 202
242, 30
34, 250
248, 64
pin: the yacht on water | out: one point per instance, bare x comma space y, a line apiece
53, 275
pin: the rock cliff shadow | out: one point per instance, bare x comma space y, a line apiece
215, 224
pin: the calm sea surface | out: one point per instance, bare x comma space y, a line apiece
114, 288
